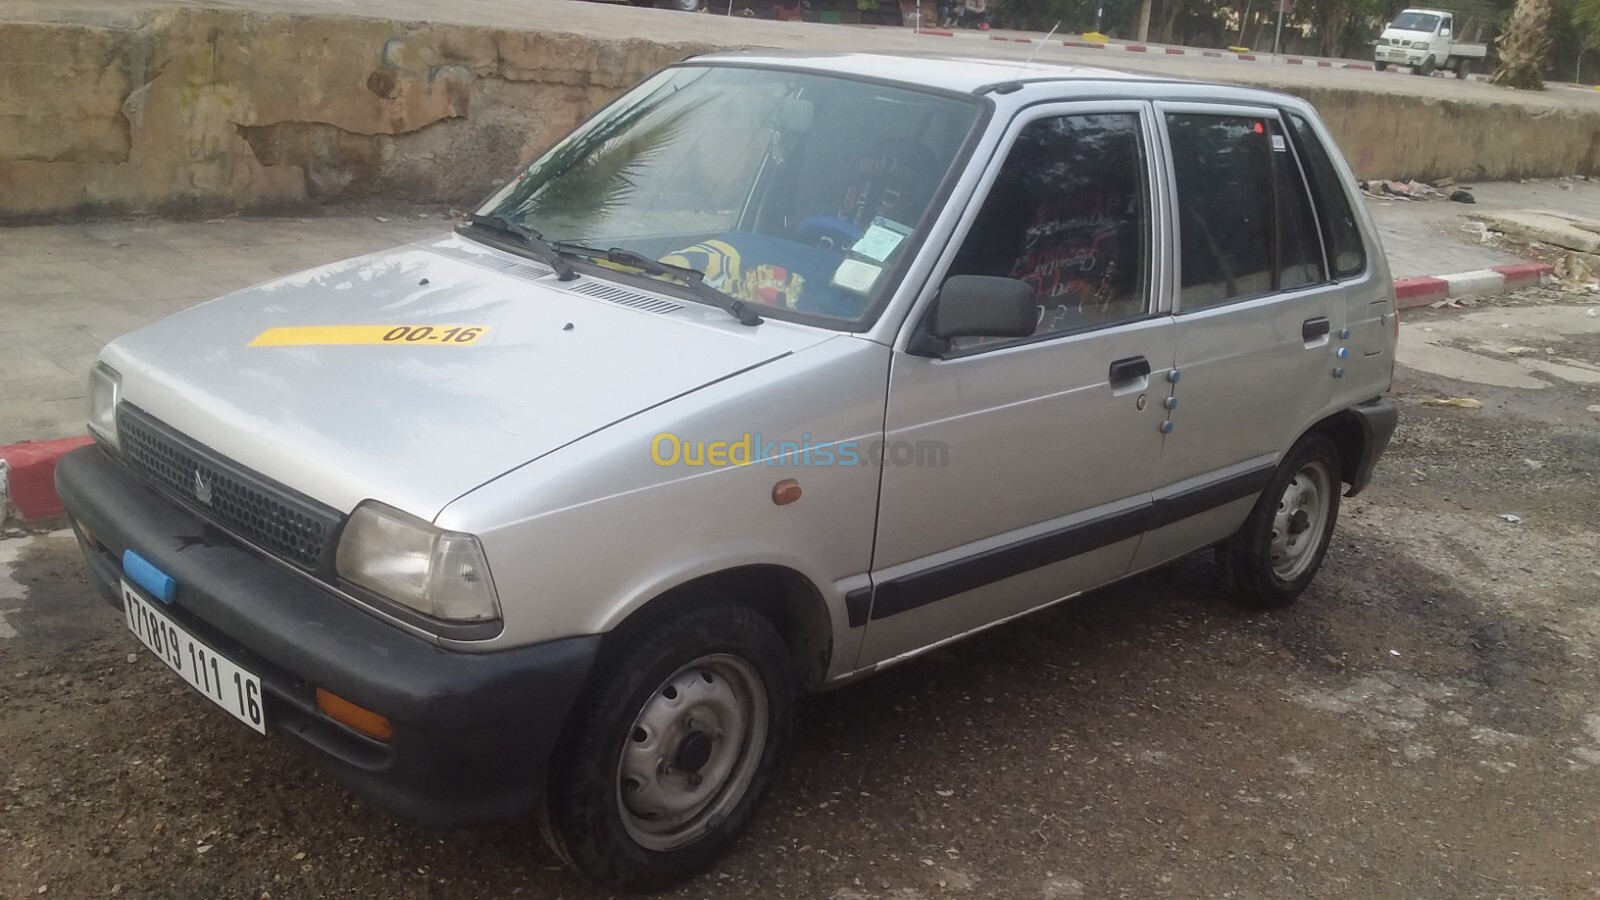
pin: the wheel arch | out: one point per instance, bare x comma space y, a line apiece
787, 598
1360, 434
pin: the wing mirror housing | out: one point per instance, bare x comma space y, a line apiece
979, 306
984, 306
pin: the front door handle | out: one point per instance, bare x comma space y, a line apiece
1130, 368
1314, 329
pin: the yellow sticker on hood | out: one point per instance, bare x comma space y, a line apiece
351, 335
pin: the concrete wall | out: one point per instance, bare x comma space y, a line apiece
198, 111
1393, 135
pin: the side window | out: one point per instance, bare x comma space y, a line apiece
1245, 225
1339, 229
1069, 215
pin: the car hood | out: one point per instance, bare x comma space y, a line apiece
417, 424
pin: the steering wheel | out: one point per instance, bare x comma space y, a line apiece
829, 232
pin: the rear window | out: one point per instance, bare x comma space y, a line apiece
1345, 250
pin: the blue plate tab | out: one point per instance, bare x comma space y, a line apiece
140, 571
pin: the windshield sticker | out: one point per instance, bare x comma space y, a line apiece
355, 335
855, 275
1278, 143
881, 239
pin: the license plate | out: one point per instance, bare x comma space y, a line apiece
206, 670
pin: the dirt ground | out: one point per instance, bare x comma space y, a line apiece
1424, 724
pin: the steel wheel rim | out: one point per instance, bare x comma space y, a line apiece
692, 752
1300, 521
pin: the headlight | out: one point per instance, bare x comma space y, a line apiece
105, 389
442, 574
1420, 45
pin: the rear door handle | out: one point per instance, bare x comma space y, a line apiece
1130, 368
1314, 329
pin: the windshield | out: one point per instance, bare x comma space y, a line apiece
796, 193
1415, 21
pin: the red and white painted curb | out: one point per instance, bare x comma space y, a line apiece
28, 470
28, 478
1426, 289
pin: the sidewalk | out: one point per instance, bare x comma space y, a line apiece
65, 290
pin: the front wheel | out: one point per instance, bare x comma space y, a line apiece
1280, 547
672, 749
1426, 68
1380, 66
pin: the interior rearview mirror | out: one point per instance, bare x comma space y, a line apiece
984, 306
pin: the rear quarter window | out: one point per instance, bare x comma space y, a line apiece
1347, 255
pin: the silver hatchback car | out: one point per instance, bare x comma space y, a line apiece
780, 370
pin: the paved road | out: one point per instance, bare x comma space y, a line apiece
1426, 724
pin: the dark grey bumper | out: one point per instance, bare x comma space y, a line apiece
1377, 419
473, 732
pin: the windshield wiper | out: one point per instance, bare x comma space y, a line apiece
693, 279
533, 240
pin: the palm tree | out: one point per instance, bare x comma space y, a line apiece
1524, 46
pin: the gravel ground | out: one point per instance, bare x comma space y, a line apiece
1425, 723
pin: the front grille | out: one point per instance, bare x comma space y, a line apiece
254, 508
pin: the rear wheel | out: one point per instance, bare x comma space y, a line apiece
1462, 68
1280, 547
672, 749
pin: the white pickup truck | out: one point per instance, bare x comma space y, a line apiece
1423, 39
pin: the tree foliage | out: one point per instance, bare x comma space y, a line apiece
1525, 46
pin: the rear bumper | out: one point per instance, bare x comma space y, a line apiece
473, 732
1377, 419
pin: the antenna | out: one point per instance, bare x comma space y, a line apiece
1038, 48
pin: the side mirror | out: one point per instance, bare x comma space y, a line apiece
984, 306
1445, 32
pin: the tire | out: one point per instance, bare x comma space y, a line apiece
631, 755
1461, 69
1426, 68
1380, 66
1300, 506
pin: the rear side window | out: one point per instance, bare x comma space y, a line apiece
1245, 222
1345, 250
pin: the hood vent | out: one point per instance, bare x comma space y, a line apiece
611, 293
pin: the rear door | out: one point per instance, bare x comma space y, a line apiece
1258, 320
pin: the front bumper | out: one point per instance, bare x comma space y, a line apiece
1401, 56
473, 732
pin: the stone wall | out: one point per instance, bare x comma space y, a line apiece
191, 111
202, 111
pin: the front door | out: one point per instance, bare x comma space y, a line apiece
1018, 471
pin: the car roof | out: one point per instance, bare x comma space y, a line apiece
952, 73
962, 74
